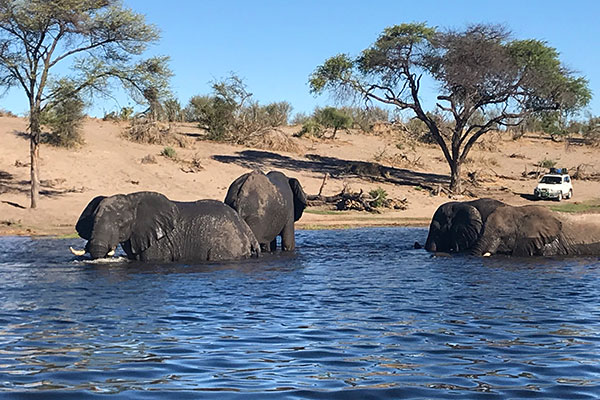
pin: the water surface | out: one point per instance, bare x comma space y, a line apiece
353, 314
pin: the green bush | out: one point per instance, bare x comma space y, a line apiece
311, 128
229, 114
64, 117
546, 163
169, 152
125, 114
172, 110
331, 117
365, 118
380, 196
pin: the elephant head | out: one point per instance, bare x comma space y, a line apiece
522, 231
456, 226
137, 221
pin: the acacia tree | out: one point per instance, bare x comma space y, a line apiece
485, 80
100, 39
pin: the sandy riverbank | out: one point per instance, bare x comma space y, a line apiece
108, 164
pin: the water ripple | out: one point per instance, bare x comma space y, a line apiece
352, 314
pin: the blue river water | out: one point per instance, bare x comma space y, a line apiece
352, 314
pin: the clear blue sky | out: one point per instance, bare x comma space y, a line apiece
275, 45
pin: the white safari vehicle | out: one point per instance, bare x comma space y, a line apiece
555, 185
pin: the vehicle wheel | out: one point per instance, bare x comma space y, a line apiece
570, 195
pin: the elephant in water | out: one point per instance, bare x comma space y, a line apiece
456, 226
537, 231
150, 227
270, 204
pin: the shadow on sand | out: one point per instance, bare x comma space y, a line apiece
255, 159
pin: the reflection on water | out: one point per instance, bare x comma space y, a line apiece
353, 314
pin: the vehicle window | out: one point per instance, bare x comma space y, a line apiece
567, 179
553, 180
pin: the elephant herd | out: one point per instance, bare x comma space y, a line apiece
150, 227
259, 207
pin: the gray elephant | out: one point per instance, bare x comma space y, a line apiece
456, 226
537, 231
150, 227
270, 204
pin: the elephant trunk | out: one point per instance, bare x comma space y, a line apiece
485, 247
430, 245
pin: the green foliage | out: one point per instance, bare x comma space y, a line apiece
172, 110
546, 163
125, 114
590, 130
591, 206
169, 152
229, 114
484, 80
365, 118
379, 195
333, 118
102, 41
311, 128
64, 117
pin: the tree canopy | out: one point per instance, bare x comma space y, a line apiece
102, 40
485, 79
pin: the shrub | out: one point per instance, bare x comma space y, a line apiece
172, 110
64, 117
142, 130
169, 152
311, 128
546, 163
333, 118
6, 113
148, 159
379, 195
365, 118
300, 119
591, 131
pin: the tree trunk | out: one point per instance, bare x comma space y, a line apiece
34, 150
335, 129
455, 181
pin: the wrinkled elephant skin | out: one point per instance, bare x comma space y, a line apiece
151, 227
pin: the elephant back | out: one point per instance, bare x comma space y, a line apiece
260, 203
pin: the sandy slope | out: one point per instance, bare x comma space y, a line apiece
108, 164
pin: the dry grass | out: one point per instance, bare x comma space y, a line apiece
273, 139
153, 132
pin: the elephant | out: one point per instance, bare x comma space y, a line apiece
270, 204
537, 231
150, 227
456, 226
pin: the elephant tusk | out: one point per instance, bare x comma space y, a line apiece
487, 254
111, 253
77, 252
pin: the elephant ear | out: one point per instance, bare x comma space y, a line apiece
299, 198
155, 217
466, 227
85, 223
537, 228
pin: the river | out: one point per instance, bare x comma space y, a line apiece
354, 313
